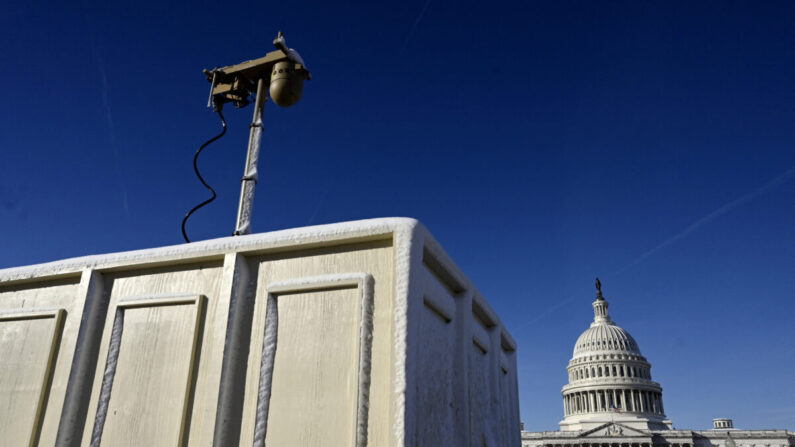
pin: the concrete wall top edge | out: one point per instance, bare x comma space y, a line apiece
214, 249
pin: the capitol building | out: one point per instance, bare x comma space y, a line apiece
612, 401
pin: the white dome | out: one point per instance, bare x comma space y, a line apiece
605, 338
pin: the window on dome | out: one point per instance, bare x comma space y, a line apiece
600, 371
614, 371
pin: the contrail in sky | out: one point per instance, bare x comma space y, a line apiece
320, 202
743, 199
414, 28
548, 311
111, 128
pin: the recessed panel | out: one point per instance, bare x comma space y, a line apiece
148, 374
435, 377
27, 346
314, 391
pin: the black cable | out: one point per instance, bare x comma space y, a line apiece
196, 169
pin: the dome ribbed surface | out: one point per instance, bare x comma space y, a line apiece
605, 338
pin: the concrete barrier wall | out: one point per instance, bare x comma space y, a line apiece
361, 333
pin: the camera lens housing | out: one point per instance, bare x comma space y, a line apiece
287, 83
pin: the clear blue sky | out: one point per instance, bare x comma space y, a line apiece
649, 143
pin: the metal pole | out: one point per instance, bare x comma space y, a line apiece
250, 174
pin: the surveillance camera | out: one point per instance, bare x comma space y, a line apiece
287, 83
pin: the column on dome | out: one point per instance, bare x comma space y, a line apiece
616, 403
630, 400
646, 402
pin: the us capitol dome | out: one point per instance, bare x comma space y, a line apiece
612, 401
609, 379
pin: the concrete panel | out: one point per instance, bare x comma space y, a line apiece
159, 364
320, 270
39, 322
436, 371
147, 387
28, 345
315, 369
